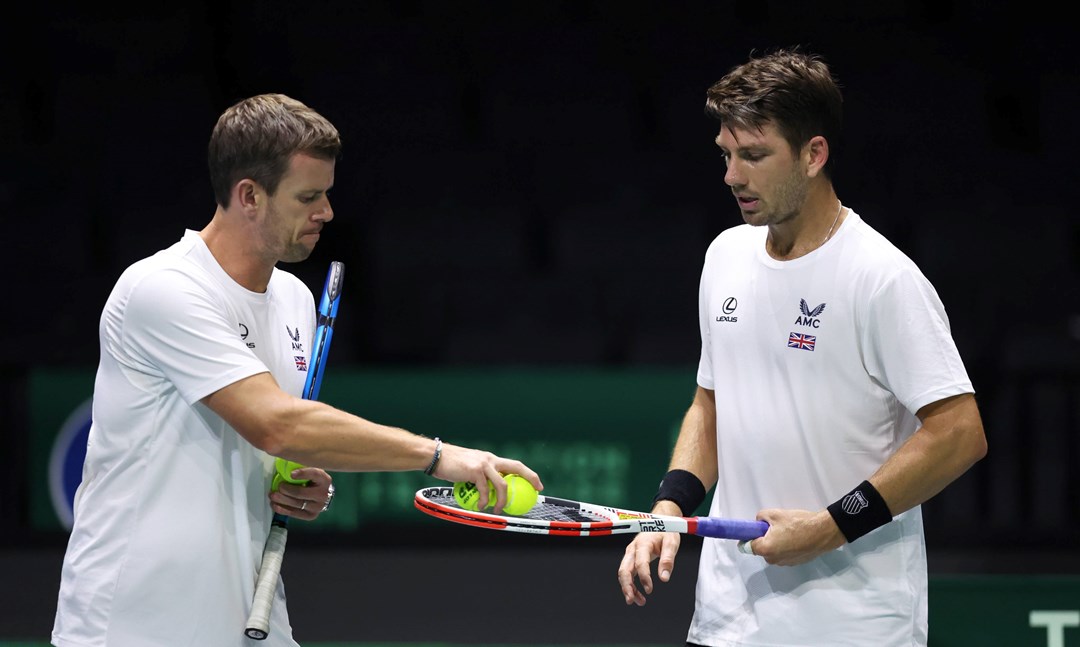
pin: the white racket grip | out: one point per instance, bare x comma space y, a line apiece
258, 624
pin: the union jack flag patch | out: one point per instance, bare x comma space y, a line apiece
301, 362
799, 340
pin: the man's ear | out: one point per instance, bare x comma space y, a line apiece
247, 194
817, 153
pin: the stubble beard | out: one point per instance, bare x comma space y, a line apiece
279, 240
296, 252
788, 199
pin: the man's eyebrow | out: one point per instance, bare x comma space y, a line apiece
316, 191
751, 147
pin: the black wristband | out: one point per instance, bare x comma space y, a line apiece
860, 511
435, 458
683, 488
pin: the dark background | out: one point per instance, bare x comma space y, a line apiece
535, 184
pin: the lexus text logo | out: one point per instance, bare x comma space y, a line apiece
728, 307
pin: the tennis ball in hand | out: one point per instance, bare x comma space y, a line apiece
520, 494
283, 473
467, 495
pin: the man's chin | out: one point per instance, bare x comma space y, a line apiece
297, 254
754, 219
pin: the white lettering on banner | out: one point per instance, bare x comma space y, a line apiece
1055, 623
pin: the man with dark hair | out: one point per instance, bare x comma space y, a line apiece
198, 390
831, 398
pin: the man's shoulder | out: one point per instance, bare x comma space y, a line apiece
170, 270
737, 235
171, 256
735, 243
875, 249
874, 263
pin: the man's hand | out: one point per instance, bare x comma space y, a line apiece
637, 563
481, 467
303, 501
796, 536
647, 546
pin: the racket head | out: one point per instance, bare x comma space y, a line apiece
324, 329
545, 514
331, 295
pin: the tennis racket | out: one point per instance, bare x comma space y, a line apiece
552, 516
258, 624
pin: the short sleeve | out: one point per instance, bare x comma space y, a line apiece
909, 345
178, 328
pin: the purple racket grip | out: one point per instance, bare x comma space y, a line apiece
730, 528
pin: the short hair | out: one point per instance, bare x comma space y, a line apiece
793, 90
257, 137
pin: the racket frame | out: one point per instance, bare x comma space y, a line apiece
438, 502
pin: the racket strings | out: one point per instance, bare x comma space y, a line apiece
542, 511
549, 512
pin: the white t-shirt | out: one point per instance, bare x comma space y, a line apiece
172, 513
818, 365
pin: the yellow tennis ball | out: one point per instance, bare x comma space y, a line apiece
283, 473
467, 495
521, 495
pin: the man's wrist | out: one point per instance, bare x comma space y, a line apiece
667, 507
683, 488
830, 535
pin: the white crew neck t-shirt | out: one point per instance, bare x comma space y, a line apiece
818, 365
172, 512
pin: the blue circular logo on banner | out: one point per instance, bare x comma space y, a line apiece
66, 462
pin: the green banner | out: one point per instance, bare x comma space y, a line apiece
1005, 610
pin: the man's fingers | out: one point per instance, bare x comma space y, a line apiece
644, 554
626, 577
664, 568
522, 470
668, 549
643, 572
635, 565
497, 493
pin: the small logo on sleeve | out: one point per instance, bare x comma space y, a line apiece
301, 363
728, 308
244, 336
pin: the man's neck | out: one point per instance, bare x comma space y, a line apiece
811, 228
233, 248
